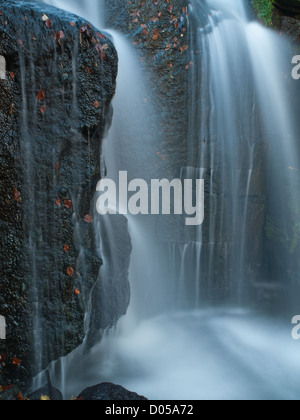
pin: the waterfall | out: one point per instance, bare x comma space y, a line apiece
170, 344
239, 109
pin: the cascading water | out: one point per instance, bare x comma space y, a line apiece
236, 108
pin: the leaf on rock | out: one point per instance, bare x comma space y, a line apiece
17, 196
101, 50
70, 271
68, 204
41, 95
101, 36
16, 361
48, 23
88, 219
59, 35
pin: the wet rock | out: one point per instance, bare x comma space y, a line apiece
55, 106
109, 392
291, 27
289, 6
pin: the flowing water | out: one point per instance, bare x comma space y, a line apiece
170, 345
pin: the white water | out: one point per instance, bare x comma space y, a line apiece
214, 353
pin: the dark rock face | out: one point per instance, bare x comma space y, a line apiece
287, 19
54, 108
291, 27
289, 6
109, 392
159, 31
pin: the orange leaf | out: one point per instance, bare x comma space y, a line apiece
20, 396
77, 291
41, 95
96, 104
68, 204
67, 248
16, 362
70, 271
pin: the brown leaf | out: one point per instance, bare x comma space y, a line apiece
68, 204
59, 35
101, 50
16, 361
41, 95
17, 196
49, 23
70, 271
101, 36
88, 219
156, 34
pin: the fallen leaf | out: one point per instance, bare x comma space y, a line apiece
68, 204
49, 23
20, 396
2, 357
58, 202
43, 109
16, 361
73, 24
70, 271
77, 291
88, 219
5, 388
101, 50
67, 248
101, 36
156, 34
17, 196
45, 17
96, 104
59, 35
45, 398
41, 95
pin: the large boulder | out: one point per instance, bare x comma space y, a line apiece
55, 106
109, 392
